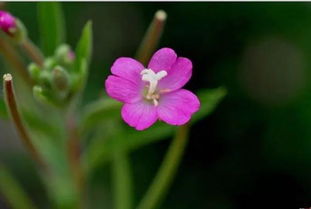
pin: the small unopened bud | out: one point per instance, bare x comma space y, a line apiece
71, 56
7, 23
42, 95
65, 55
49, 63
60, 79
34, 71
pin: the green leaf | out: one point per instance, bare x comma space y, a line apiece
98, 111
51, 26
13, 192
209, 99
3, 112
115, 136
84, 47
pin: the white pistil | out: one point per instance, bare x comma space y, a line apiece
153, 78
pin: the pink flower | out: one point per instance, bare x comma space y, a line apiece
7, 22
154, 92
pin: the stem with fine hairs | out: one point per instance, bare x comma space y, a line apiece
74, 155
17, 119
152, 37
14, 60
33, 52
167, 171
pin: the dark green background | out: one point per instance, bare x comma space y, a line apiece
254, 151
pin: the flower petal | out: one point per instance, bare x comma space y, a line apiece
123, 90
176, 108
163, 59
178, 76
127, 68
139, 115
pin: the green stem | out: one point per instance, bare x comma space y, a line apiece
33, 52
151, 37
12, 57
122, 181
13, 193
167, 171
74, 156
17, 119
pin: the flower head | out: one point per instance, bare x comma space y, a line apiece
153, 92
7, 22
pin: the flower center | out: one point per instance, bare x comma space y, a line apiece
153, 78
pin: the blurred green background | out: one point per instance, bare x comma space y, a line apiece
255, 149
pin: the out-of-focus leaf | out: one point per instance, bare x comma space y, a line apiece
84, 47
51, 26
98, 111
35, 123
12, 191
117, 137
62, 191
209, 99
3, 112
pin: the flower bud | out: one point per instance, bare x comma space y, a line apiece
42, 95
7, 23
12, 26
34, 71
60, 79
64, 55
45, 79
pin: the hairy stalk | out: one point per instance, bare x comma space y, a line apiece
121, 172
14, 60
33, 52
74, 156
17, 119
167, 171
152, 37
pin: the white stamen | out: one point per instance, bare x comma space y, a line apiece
153, 78
155, 102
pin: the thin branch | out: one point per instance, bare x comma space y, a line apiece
152, 37
167, 171
122, 177
33, 52
17, 120
14, 60
74, 157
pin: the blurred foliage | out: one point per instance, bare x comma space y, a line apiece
3, 112
13, 191
253, 150
104, 144
51, 21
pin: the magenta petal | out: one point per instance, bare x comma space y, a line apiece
176, 108
122, 90
7, 21
127, 68
178, 76
139, 115
163, 59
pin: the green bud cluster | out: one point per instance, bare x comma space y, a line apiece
56, 80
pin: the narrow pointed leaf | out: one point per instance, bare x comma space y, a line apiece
51, 26
84, 47
209, 99
13, 192
125, 139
